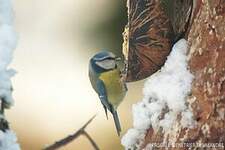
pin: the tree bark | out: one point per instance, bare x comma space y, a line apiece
206, 57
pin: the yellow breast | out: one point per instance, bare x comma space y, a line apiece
115, 88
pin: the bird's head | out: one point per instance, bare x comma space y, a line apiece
104, 61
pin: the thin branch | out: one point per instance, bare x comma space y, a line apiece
72, 137
91, 140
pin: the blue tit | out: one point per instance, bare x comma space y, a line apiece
106, 79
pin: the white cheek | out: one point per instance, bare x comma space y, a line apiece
107, 64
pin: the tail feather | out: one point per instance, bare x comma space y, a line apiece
117, 122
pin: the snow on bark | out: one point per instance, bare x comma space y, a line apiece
165, 99
8, 40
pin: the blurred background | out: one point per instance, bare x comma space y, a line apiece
53, 96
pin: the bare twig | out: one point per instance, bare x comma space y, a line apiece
91, 140
72, 137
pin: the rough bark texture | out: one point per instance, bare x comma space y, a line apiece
206, 38
148, 38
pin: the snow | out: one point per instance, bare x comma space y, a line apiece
132, 136
165, 97
8, 41
8, 141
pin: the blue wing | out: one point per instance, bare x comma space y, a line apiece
103, 95
104, 100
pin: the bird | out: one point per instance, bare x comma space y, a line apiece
106, 79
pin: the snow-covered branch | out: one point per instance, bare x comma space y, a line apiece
8, 40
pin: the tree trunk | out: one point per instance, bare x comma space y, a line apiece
206, 59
